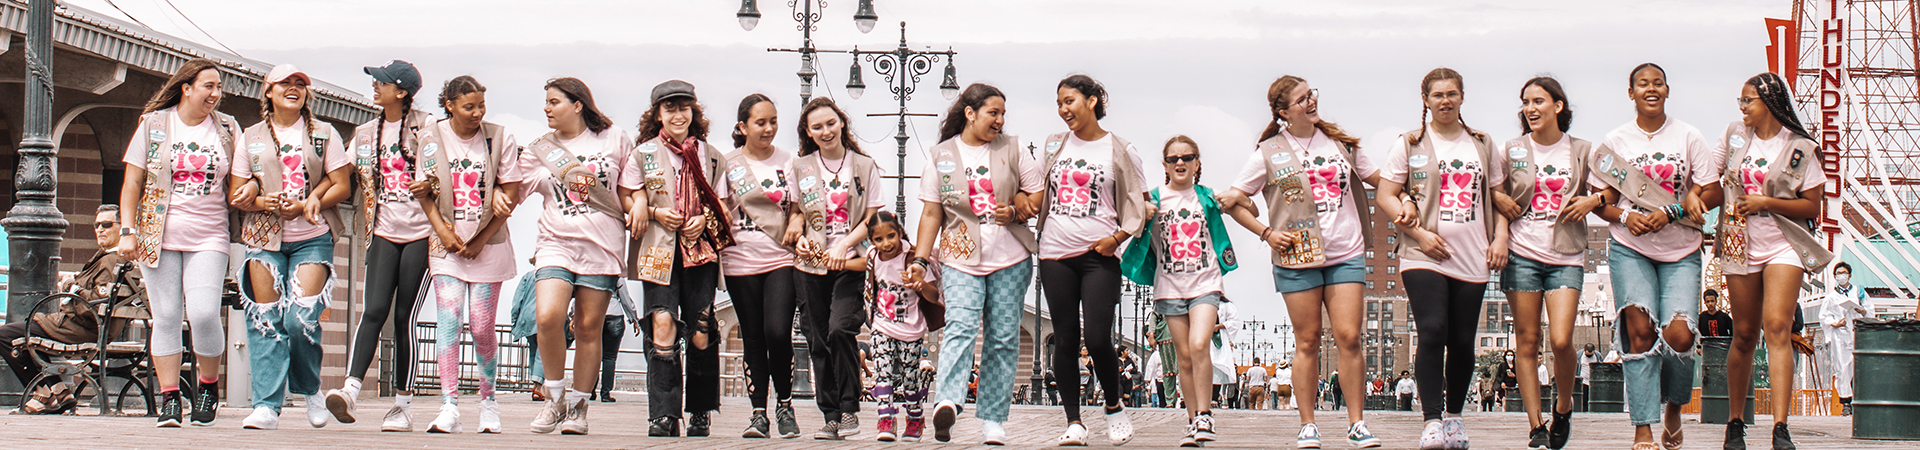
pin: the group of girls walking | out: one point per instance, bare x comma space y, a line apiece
786, 233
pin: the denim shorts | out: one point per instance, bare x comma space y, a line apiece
1353, 270
602, 282
1179, 306
1526, 275
283, 263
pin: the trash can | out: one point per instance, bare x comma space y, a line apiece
1607, 394
1516, 403
1886, 401
1580, 398
1380, 402
1713, 382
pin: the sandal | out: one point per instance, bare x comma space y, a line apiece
1671, 439
1645, 446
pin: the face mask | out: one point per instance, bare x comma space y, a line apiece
1844, 279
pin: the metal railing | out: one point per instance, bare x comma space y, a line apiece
515, 359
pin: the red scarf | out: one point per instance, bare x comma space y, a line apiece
702, 202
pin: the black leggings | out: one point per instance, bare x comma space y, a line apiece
394, 275
765, 303
1086, 288
1446, 312
835, 312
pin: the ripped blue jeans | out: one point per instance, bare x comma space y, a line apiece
283, 337
1667, 291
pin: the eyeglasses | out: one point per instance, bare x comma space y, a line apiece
1190, 157
1312, 94
1744, 101
104, 225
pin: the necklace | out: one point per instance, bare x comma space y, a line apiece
1296, 142
823, 164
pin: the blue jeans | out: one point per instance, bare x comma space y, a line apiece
283, 337
1668, 291
993, 304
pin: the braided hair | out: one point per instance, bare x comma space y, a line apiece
380, 132
306, 117
1277, 101
1426, 87
1779, 101
1183, 139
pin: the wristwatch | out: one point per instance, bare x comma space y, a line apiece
126, 231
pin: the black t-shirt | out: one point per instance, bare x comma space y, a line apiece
1716, 324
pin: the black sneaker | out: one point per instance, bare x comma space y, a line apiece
1560, 430
664, 427
1537, 439
206, 404
1736, 435
698, 425
169, 410
789, 428
756, 425
1782, 440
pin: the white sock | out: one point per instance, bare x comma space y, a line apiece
577, 396
404, 401
554, 386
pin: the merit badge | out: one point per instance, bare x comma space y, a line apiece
157, 136
1736, 141
1517, 152
1794, 161
1053, 146
1418, 161
649, 147
737, 174
256, 147
808, 182
1291, 189
430, 149
946, 166
1282, 157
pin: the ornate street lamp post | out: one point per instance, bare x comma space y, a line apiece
34, 226
807, 12
902, 68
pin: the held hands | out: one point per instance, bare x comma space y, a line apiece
669, 218
424, 188
1642, 223
1577, 210
1409, 215
1006, 215
1433, 245
246, 198
1750, 204
1282, 239
451, 242
1228, 198
1694, 207
1507, 207
692, 226
290, 208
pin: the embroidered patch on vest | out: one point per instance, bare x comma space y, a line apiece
1418, 161
1517, 152
1736, 142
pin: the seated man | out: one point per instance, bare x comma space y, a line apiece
73, 322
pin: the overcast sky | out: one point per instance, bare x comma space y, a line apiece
1173, 67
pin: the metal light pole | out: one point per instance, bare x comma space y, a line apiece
34, 226
807, 12
902, 68
1254, 327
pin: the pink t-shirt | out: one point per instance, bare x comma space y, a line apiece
1462, 215
838, 188
1328, 174
293, 171
467, 162
401, 219
1676, 156
197, 207
573, 235
1188, 265
1532, 235
1081, 211
754, 251
999, 249
896, 308
1765, 241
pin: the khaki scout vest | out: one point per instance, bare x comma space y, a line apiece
651, 258
263, 229
1423, 181
1568, 238
812, 187
366, 161
1783, 181
433, 162
1618, 172
151, 218
750, 198
960, 230
1290, 208
1127, 192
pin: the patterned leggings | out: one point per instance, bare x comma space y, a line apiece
900, 367
479, 299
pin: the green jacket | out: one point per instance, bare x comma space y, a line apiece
1139, 261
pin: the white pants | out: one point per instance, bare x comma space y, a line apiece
1840, 350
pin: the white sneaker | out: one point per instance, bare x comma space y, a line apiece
550, 416
1431, 438
342, 404
1119, 428
448, 421
1203, 428
576, 421
993, 433
398, 420
1075, 436
1454, 430
1309, 437
489, 416
263, 418
317, 414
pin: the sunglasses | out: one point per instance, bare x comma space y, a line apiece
1182, 158
104, 225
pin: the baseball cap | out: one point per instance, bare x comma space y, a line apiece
284, 72
399, 73
672, 89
